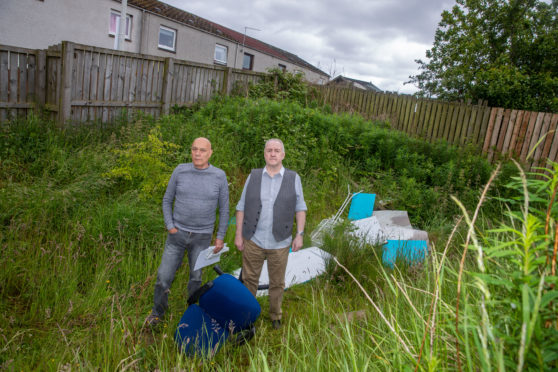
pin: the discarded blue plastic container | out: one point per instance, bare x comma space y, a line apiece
412, 251
362, 206
226, 307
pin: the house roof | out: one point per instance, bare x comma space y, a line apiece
192, 20
364, 84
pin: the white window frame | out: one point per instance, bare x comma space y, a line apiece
222, 49
166, 47
129, 19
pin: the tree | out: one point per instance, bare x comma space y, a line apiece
502, 51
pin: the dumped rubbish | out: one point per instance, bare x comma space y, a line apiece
219, 309
303, 265
362, 206
389, 228
326, 226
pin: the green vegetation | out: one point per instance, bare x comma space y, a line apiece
81, 234
502, 52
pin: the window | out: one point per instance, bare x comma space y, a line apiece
282, 67
115, 20
167, 38
220, 54
248, 61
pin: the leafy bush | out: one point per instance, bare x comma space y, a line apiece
146, 165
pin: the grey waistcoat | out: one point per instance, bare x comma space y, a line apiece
283, 208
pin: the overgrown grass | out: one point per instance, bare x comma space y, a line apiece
81, 233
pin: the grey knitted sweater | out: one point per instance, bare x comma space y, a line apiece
197, 193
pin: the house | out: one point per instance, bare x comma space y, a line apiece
345, 82
152, 27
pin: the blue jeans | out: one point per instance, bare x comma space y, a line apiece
175, 247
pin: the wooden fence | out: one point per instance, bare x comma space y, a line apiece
81, 83
496, 131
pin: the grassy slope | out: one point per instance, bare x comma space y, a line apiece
82, 236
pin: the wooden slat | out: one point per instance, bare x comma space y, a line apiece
438, 126
481, 129
423, 118
537, 155
402, 111
41, 78
522, 132
471, 125
159, 87
515, 133
436, 111
94, 83
4, 76
127, 80
528, 136
503, 130
496, 133
449, 131
16, 105
509, 132
536, 134
548, 140
88, 75
457, 122
490, 129
462, 122
13, 89
108, 95
121, 78
30, 78
184, 86
553, 152
149, 81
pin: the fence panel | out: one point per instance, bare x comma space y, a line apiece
18, 71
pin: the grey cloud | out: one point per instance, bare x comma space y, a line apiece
359, 38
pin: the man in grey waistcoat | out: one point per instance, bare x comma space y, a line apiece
271, 199
196, 189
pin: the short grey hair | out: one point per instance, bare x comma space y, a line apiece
275, 140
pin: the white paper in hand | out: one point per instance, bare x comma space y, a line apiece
207, 257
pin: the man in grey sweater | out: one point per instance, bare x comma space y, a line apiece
196, 189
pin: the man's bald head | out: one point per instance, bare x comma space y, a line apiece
201, 140
201, 152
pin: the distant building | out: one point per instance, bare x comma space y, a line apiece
152, 27
345, 82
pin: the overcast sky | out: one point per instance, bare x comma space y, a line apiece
371, 40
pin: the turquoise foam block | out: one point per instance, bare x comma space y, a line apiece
362, 206
412, 251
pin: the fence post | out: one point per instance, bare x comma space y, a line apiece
226, 77
40, 80
65, 100
167, 85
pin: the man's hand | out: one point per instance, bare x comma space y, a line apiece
174, 230
239, 242
297, 243
219, 244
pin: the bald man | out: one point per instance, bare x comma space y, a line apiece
197, 189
